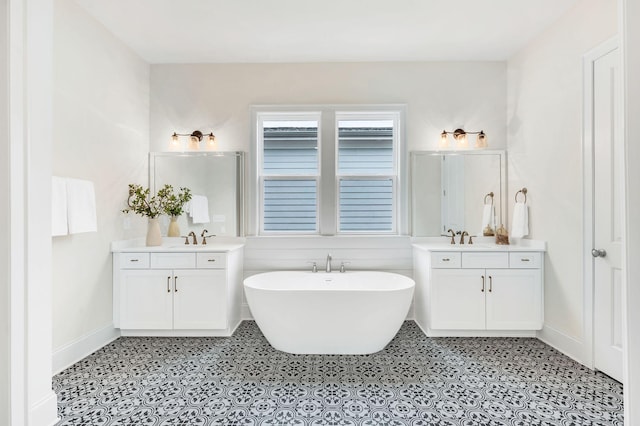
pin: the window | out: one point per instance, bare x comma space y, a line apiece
343, 180
366, 175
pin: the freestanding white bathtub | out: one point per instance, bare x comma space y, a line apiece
329, 313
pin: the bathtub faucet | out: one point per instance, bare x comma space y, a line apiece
328, 268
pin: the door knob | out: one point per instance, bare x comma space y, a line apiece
598, 253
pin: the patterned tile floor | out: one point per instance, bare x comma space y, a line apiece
415, 380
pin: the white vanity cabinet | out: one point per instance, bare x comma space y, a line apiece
478, 292
177, 293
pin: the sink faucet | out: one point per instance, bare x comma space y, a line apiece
453, 235
328, 268
204, 236
193, 235
462, 234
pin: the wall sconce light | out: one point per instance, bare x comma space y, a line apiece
195, 138
460, 136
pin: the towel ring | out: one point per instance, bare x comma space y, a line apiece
524, 192
488, 195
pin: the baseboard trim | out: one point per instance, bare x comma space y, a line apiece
570, 346
45, 411
82, 347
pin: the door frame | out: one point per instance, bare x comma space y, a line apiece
588, 61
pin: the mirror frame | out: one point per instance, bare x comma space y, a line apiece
502, 207
240, 158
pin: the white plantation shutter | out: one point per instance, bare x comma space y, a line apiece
366, 169
290, 153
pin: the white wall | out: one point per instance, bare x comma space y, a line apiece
217, 97
4, 217
545, 155
101, 133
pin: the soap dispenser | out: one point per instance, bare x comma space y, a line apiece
502, 236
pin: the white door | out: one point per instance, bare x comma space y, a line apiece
608, 215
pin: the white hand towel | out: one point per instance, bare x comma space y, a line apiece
81, 206
59, 206
199, 209
488, 215
520, 222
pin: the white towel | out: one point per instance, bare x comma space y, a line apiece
520, 222
199, 209
81, 206
488, 218
59, 206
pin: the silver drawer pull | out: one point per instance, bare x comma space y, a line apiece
211, 260
446, 259
134, 260
524, 259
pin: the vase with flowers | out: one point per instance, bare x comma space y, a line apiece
141, 202
173, 206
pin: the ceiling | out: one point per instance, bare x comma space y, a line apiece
229, 31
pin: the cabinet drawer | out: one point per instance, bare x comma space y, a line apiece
173, 260
445, 259
525, 260
134, 260
210, 260
485, 260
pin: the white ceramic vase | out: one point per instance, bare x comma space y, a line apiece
154, 238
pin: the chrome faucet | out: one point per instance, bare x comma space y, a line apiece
193, 235
328, 268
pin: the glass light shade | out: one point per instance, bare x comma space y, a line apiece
211, 141
194, 143
481, 142
444, 140
175, 142
461, 141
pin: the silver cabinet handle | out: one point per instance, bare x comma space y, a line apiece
175, 284
490, 283
598, 253
168, 284
482, 290
446, 259
524, 259
134, 260
211, 260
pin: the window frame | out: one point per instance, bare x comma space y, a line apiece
328, 177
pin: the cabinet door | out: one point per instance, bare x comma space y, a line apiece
199, 299
514, 299
145, 299
457, 299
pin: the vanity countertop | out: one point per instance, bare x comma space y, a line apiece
171, 245
479, 244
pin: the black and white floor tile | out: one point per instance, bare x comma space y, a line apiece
415, 380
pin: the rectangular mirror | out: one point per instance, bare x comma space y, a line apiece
449, 190
215, 177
